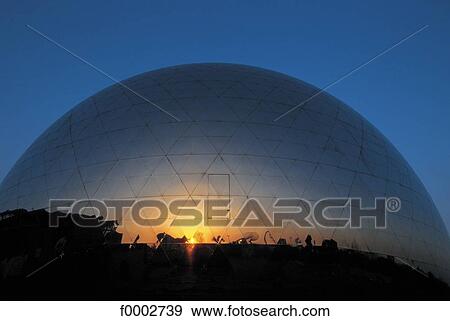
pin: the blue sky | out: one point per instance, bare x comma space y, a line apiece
405, 93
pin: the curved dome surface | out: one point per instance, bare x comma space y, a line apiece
118, 145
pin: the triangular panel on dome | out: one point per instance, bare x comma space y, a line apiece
219, 166
73, 188
192, 145
192, 164
93, 150
246, 182
244, 142
142, 166
191, 181
219, 143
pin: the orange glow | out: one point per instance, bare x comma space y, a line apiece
192, 240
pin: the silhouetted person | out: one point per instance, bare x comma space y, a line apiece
308, 242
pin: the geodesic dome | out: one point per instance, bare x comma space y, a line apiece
224, 141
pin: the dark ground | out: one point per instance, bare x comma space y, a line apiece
183, 272
93, 268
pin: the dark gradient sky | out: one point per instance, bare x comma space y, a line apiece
405, 93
